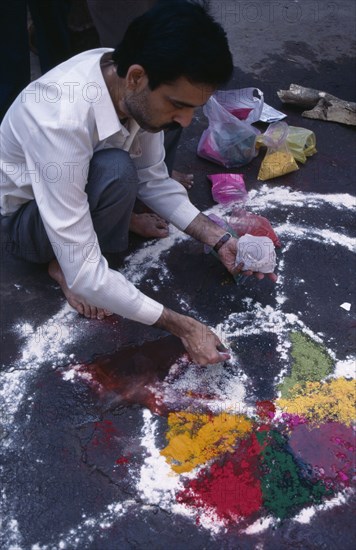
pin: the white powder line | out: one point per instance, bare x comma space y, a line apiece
308, 513
259, 526
318, 235
149, 256
11, 534
345, 368
277, 197
85, 531
158, 484
45, 344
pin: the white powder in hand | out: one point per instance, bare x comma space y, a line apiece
256, 253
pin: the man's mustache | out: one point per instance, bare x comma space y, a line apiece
172, 126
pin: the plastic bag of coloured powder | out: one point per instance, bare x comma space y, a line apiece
301, 143
245, 103
278, 160
228, 188
227, 140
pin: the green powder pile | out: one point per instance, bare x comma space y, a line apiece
311, 363
284, 489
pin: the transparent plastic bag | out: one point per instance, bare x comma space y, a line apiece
255, 247
301, 143
256, 253
278, 160
243, 222
228, 188
245, 104
227, 140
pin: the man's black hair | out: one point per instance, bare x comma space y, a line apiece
176, 39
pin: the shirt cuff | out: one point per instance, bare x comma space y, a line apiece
183, 215
150, 311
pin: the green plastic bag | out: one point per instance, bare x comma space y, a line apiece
301, 143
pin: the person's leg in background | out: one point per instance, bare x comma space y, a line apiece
14, 52
111, 19
50, 19
52, 34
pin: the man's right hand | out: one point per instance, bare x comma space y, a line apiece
200, 341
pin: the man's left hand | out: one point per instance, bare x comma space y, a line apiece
227, 255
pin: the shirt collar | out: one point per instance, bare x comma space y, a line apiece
106, 118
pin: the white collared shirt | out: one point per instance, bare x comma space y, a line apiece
47, 140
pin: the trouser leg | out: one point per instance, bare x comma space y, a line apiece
14, 52
50, 18
112, 17
112, 200
111, 189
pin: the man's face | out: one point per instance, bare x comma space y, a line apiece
168, 106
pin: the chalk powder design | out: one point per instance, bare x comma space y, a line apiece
223, 465
288, 455
224, 468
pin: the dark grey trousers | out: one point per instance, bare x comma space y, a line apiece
111, 189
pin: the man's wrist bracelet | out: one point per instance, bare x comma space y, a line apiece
222, 241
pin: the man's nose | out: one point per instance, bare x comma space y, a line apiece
184, 117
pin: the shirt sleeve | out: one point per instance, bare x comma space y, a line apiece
163, 194
58, 168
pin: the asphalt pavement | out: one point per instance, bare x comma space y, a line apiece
86, 404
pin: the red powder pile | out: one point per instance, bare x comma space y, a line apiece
230, 489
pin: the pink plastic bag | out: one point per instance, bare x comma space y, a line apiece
228, 188
228, 140
245, 104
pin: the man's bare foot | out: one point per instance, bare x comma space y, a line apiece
149, 225
91, 312
187, 180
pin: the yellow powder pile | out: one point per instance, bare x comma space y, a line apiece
196, 438
277, 164
318, 401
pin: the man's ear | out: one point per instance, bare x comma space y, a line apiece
136, 78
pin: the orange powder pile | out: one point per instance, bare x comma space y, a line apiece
318, 401
193, 439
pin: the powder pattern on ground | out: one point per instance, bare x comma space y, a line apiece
230, 487
333, 400
284, 488
157, 484
311, 362
194, 439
